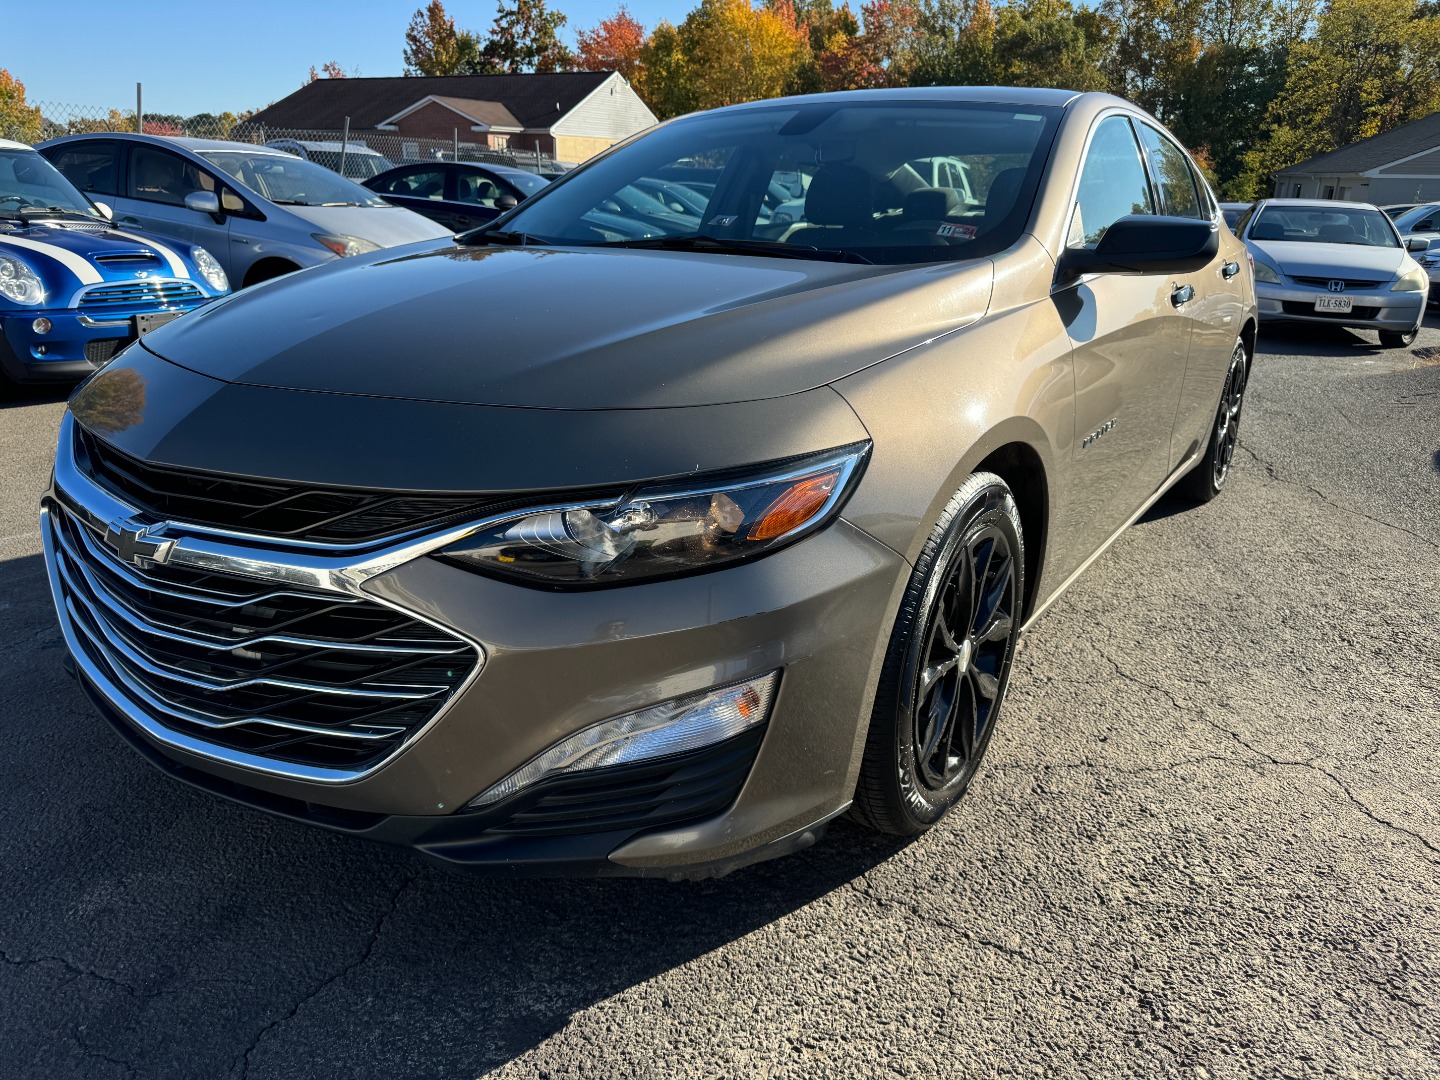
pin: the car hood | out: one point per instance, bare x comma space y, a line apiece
388, 226
91, 253
573, 328
1301, 259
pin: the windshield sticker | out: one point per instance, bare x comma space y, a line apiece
724, 220
958, 232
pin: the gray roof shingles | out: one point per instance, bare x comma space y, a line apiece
537, 100
1412, 138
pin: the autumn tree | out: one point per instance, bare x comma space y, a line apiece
331, 69
614, 45
18, 120
955, 44
432, 44
664, 81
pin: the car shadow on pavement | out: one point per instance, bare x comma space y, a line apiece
1289, 339
14, 396
223, 941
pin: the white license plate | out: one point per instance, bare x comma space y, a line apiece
1334, 303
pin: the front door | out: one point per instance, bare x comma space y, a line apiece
156, 183
1130, 341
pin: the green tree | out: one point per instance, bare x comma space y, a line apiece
18, 121
955, 45
526, 37
1045, 43
664, 81
1371, 66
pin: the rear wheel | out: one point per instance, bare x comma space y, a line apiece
948, 662
1208, 478
1392, 339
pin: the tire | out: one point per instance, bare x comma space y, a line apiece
1208, 478
948, 660
1392, 339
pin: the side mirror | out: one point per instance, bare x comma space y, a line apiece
506, 202
105, 211
203, 202
1417, 243
1145, 243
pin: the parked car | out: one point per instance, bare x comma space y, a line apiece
1232, 212
1341, 263
261, 212
458, 195
1422, 220
655, 556
359, 161
73, 288
1394, 210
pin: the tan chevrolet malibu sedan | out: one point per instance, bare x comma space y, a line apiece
697, 501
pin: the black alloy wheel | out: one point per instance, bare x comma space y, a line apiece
1210, 475
949, 663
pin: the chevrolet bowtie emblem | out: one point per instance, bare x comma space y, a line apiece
135, 544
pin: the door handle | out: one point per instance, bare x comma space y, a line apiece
1182, 295
1229, 270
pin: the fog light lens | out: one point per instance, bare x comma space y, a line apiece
41, 326
672, 727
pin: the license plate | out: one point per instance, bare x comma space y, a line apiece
1334, 303
153, 319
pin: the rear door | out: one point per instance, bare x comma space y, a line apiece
1130, 344
1215, 307
92, 165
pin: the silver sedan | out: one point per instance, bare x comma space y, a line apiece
1334, 262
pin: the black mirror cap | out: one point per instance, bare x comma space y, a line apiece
1145, 242
507, 202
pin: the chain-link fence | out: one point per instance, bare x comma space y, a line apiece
363, 154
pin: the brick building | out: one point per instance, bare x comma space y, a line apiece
569, 115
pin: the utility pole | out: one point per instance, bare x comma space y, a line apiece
139, 116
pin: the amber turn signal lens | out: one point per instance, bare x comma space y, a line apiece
796, 505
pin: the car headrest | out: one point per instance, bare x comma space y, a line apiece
840, 195
1004, 189
1267, 231
1337, 234
929, 204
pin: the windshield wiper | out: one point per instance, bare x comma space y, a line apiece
27, 211
721, 245
339, 204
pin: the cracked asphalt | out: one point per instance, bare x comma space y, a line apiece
1205, 843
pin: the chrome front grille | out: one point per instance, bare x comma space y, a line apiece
1350, 283
324, 685
139, 294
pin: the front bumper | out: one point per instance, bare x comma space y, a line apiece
555, 663
1375, 309
75, 346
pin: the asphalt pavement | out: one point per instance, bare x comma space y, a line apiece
1205, 842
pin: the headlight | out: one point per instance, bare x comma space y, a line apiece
19, 283
1265, 272
662, 530
672, 727
1414, 281
345, 245
210, 270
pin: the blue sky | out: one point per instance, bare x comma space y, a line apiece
208, 57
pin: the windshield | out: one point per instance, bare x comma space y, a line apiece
31, 187
358, 164
812, 180
289, 180
1321, 224
1408, 219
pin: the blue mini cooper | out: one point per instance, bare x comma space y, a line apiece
73, 288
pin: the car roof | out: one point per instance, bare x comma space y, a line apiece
995, 95
350, 148
11, 144
1321, 204
184, 142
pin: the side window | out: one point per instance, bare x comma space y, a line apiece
417, 184
1172, 173
479, 189
159, 176
1113, 183
1244, 220
93, 167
